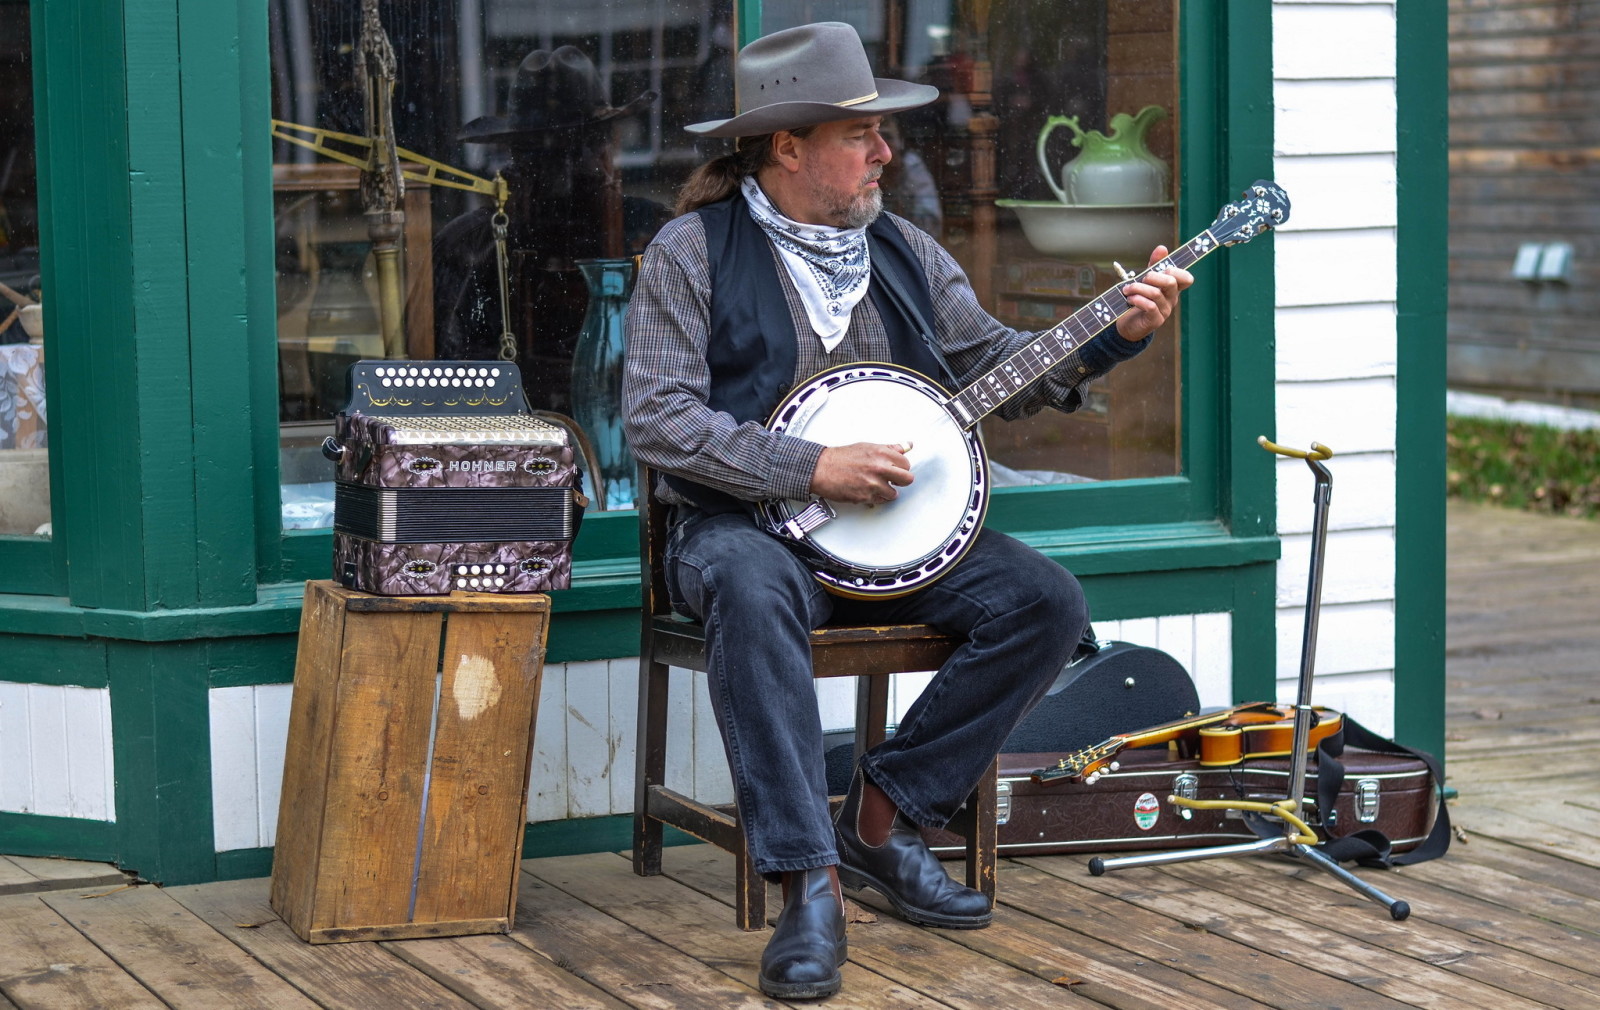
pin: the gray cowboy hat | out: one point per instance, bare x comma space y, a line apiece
808, 75
555, 90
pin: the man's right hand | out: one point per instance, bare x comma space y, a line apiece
866, 473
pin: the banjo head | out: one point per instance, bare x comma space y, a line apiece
891, 549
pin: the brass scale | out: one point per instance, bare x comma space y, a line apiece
384, 168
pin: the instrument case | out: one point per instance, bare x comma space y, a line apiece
1128, 809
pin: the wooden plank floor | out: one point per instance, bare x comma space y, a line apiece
1509, 919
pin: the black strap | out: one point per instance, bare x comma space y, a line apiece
1369, 846
883, 270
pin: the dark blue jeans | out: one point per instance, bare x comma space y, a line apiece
1021, 614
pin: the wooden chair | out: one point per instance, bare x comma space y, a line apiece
872, 654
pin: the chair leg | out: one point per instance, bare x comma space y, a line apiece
983, 838
651, 767
872, 711
750, 892
976, 822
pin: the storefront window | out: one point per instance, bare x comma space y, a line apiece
578, 105
24, 436
484, 90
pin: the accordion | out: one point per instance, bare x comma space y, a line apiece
446, 481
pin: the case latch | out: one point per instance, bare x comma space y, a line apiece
1002, 801
1367, 800
1186, 786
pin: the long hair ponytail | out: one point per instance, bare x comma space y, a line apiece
718, 178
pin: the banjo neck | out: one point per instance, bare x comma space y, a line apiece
1060, 345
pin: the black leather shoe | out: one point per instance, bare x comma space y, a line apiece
808, 944
905, 871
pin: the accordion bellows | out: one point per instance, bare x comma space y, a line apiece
445, 481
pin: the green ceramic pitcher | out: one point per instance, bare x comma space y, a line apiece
1111, 169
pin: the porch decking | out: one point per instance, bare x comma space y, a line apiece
1509, 919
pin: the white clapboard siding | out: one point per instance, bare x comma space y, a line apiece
1360, 337
55, 751
1351, 638
249, 734
584, 748
1363, 489
1335, 137
1201, 643
1349, 415
1338, 40
547, 779
1357, 567
1334, 117
584, 741
1334, 267
587, 715
1334, 191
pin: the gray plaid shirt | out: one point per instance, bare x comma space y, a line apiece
666, 381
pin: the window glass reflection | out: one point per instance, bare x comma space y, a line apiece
971, 170
579, 107
24, 430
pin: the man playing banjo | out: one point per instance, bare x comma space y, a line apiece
782, 266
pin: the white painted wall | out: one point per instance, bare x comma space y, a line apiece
1333, 92
249, 730
583, 760
55, 751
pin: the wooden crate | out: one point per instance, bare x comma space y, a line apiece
406, 777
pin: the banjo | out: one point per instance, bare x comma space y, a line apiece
888, 550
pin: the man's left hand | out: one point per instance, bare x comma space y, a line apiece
1152, 298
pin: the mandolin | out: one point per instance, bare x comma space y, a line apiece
1226, 737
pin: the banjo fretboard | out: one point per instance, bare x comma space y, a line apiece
1059, 345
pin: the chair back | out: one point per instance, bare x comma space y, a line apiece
654, 519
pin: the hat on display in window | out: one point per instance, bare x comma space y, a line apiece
555, 89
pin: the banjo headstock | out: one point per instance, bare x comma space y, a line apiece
1262, 207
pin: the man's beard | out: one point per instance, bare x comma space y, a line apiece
856, 210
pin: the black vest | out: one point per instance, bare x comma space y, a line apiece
752, 344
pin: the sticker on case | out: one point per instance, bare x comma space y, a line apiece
1146, 809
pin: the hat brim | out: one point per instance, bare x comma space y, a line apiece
893, 96
494, 129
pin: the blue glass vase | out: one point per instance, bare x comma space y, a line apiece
597, 379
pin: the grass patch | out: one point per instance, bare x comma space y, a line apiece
1524, 466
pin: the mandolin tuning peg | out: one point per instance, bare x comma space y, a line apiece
1115, 766
1092, 778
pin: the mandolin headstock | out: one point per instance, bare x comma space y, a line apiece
1086, 765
